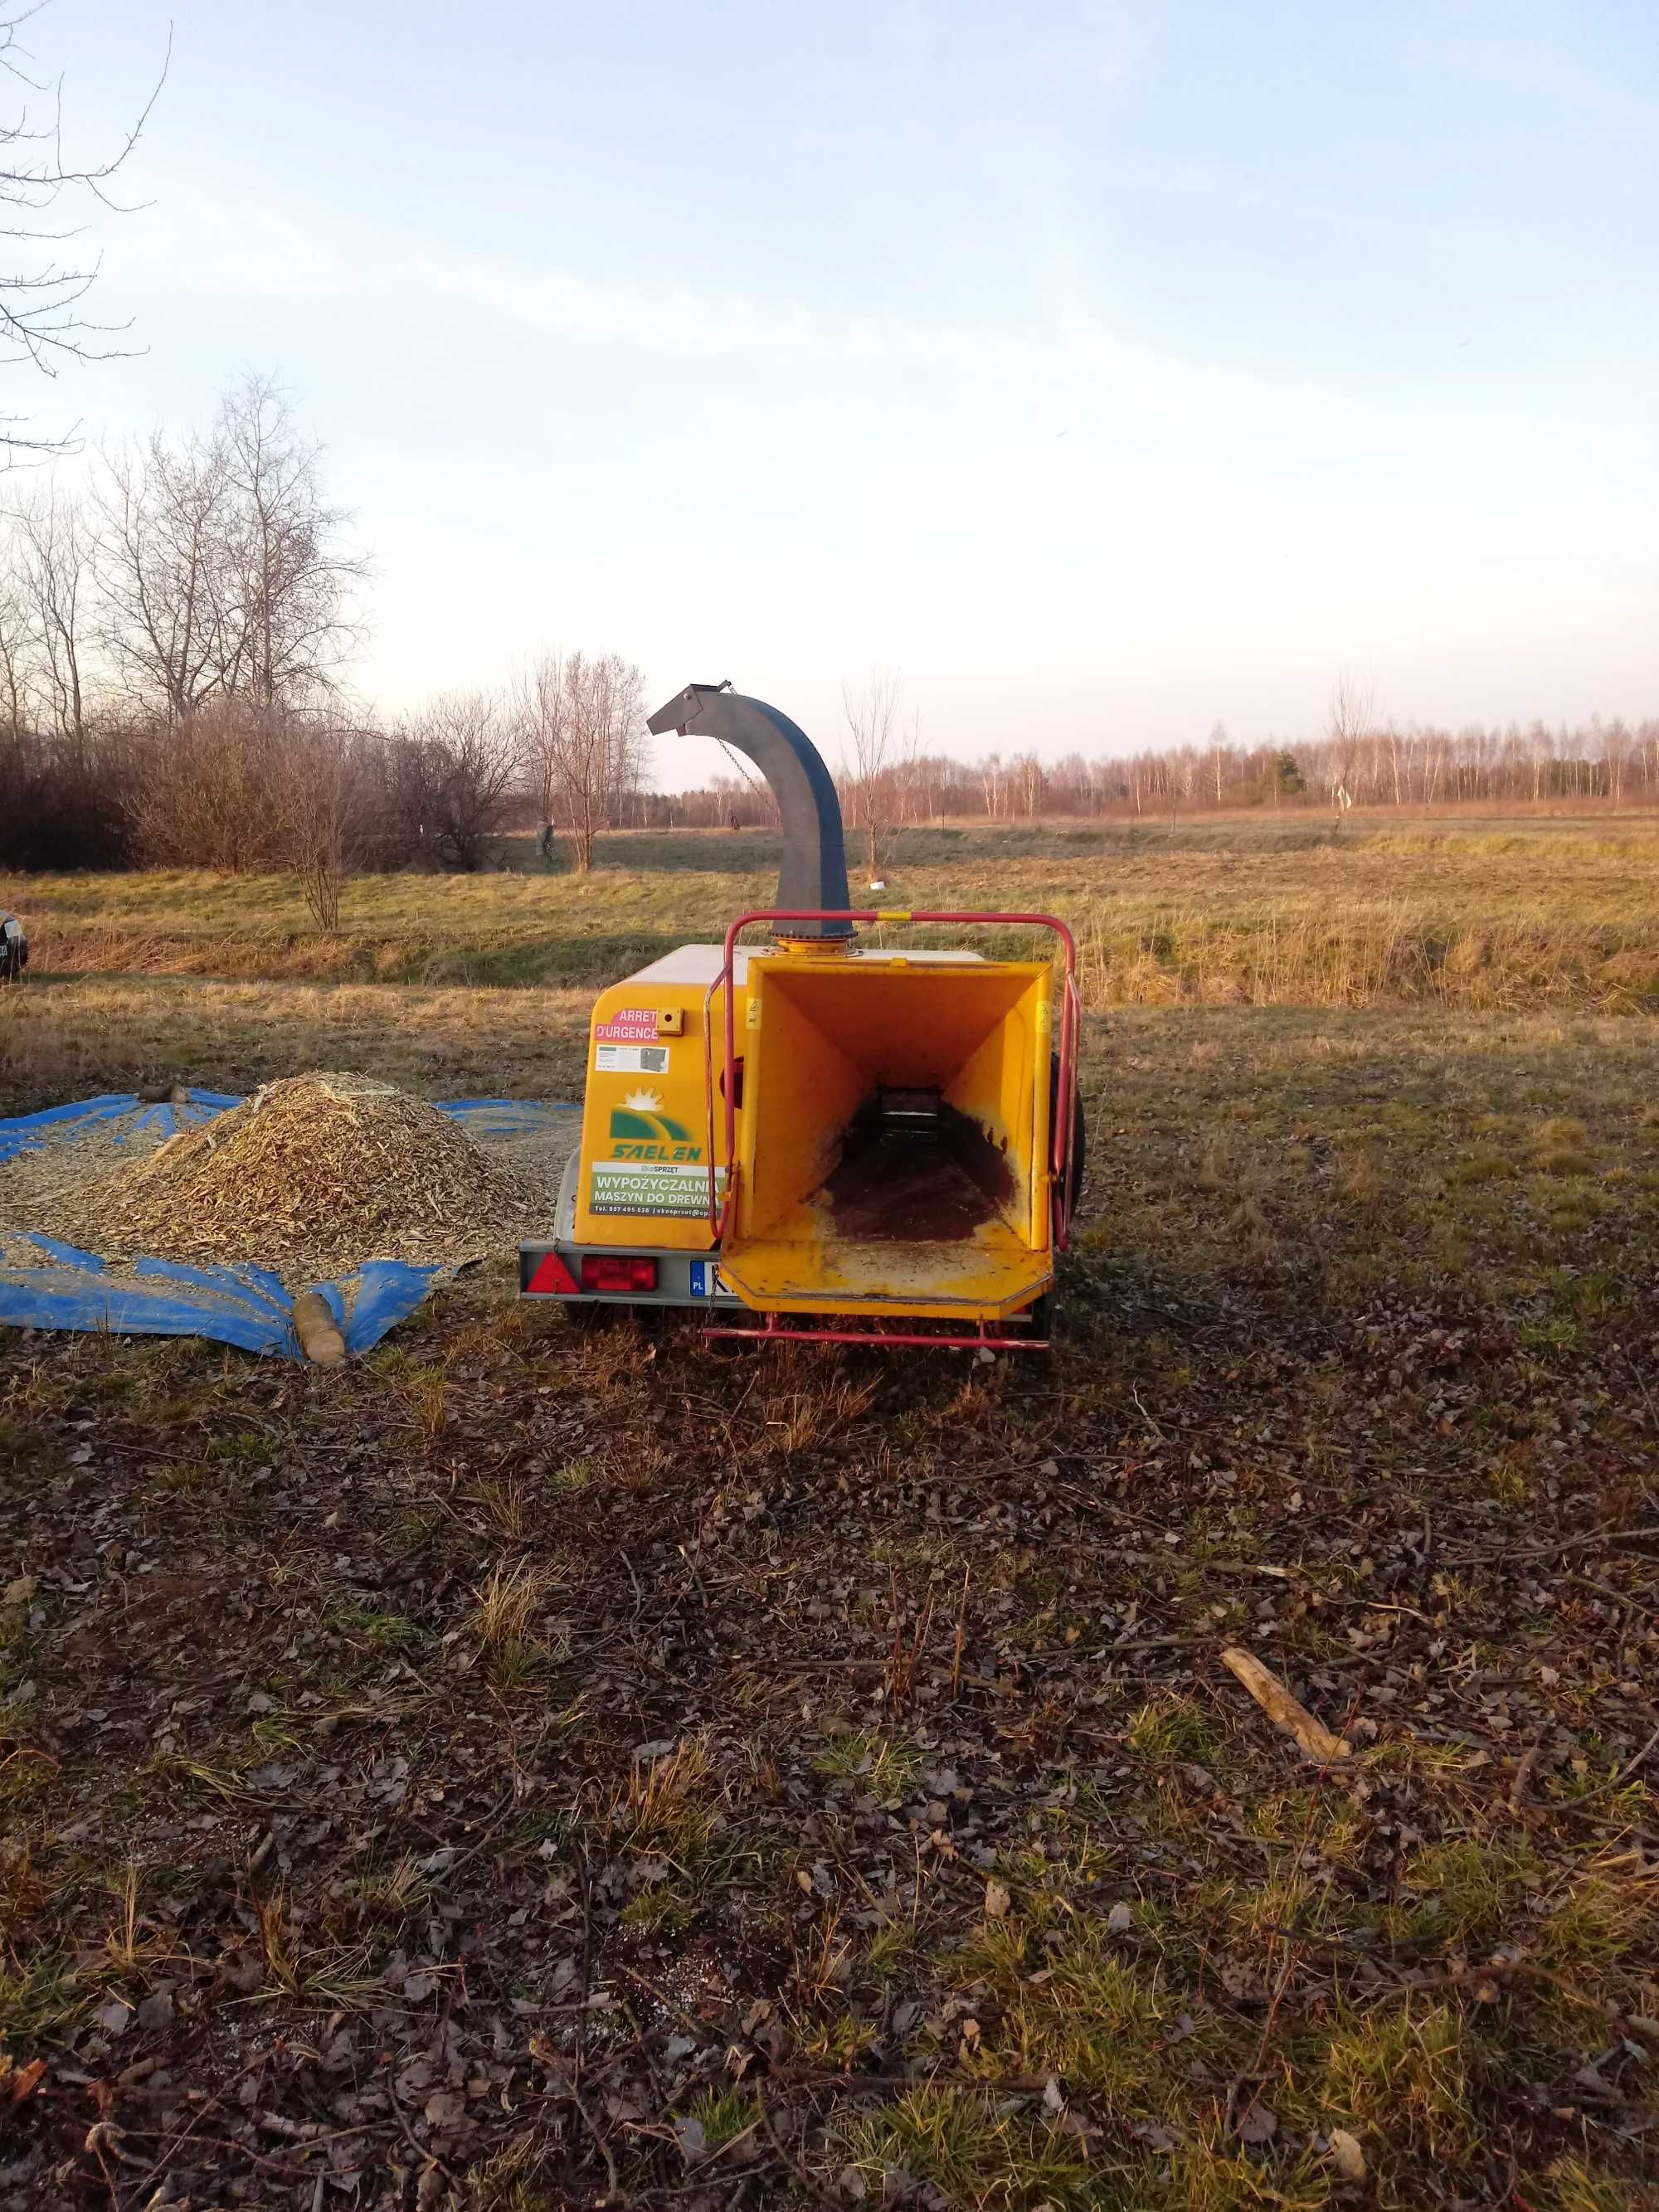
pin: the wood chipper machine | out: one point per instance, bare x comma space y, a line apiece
815, 1137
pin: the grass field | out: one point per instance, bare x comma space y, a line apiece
527, 1770
1261, 912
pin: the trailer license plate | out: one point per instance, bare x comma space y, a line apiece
706, 1281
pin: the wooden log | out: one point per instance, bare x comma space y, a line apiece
1281, 1708
314, 1325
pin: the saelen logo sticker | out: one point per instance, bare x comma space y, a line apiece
653, 1164
640, 1130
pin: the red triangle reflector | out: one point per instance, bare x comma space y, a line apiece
552, 1278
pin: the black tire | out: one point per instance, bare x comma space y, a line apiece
588, 1315
591, 1315
1079, 1135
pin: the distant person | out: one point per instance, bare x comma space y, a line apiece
14, 949
732, 821
544, 843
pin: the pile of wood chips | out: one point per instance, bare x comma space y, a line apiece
312, 1176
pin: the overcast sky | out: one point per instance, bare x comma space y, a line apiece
1106, 369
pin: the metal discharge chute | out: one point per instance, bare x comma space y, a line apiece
812, 872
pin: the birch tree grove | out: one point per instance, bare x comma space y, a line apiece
292, 577
160, 525
55, 591
1379, 764
581, 725
222, 569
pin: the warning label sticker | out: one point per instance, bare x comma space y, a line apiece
629, 1025
650, 1187
630, 1059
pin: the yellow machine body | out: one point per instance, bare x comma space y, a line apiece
893, 1134
644, 1172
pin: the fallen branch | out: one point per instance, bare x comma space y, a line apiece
990, 2085
1523, 1774
1562, 1543
1281, 1708
424, 2151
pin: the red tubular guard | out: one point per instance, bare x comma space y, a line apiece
881, 1338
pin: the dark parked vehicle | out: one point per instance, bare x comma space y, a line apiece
14, 949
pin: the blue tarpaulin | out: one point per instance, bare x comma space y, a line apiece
122, 1118
246, 1305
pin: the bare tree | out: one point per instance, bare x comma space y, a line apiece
542, 712
166, 581
221, 567
452, 768
56, 582
1617, 751
581, 740
990, 779
204, 795
291, 575
1542, 745
873, 736
16, 631
326, 802
1028, 768
1351, 714
39, 321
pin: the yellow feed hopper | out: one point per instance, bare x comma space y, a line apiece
892, 1141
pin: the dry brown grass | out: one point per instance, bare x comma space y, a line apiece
482, 983
1494, 912
1380, 955
74, 1038
667, 1802
510, 1600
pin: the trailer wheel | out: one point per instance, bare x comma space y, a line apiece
592, 1316
588, 1315
1079, 1135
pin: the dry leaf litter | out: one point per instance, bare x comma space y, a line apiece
311, 1176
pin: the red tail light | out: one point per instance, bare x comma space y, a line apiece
615, 1272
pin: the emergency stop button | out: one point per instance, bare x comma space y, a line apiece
671, 1021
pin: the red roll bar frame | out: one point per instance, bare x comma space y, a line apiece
773, 1333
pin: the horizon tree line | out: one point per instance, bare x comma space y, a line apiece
175, 635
